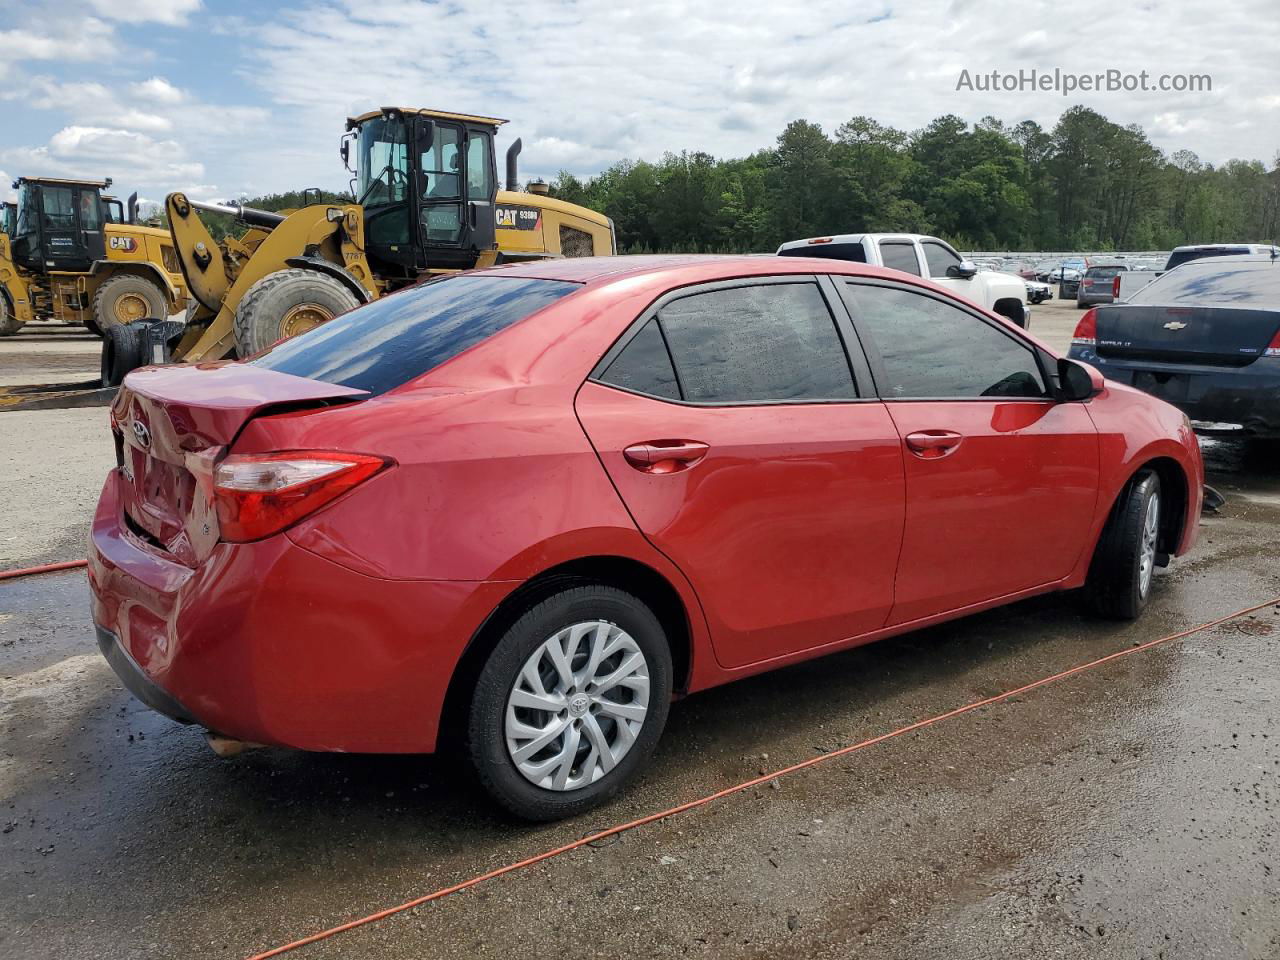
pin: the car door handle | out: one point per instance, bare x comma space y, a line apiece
665, 456
933, 444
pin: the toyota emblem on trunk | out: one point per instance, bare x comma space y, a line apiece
1175, 325
141, 433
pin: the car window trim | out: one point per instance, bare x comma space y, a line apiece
916, 253
859, 369
880, 375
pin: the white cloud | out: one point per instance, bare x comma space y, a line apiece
85, 39
158, 90
171, 12
95, 152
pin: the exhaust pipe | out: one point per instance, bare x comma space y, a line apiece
513, 151
132, 207
250, 215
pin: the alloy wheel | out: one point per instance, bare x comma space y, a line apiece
1150, 531
577, 705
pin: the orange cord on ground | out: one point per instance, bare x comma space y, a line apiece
44, 568
746, 785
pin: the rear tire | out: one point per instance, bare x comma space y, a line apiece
125, 347
125, 299
286, 303
501, 732
1121, 574
9, 322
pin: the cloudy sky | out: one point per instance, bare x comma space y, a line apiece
224, 99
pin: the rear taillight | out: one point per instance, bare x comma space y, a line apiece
1087, 329
257, 495
1115, 287
1273, 348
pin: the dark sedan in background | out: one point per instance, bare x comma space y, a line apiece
1204, 337
1098, 284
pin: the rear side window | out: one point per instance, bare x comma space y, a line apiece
932, 349
389, 342
1240, 283
757, 343
853, 252
900, 255
939, 258
644, 366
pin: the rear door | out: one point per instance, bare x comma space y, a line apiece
732, 426
89, 210
1001, 481
899, 253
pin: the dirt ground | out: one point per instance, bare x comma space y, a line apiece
1129, 811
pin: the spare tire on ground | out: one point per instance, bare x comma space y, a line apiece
125, 347
286, 303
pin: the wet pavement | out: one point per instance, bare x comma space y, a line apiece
1129, 811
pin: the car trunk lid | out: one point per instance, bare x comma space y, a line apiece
1223, 336
171, 425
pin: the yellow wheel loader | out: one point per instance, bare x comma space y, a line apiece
426, 202
69, 252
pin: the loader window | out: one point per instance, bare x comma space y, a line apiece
440, 165
58, 211
383, 163
479, 166
90, 212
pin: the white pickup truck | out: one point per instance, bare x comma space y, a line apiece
923, 256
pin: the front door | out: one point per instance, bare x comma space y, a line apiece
734, 432
443, 220
1001, 480
60, 232
89, 211
482, 188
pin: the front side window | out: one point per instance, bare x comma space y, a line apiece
900, 255
58, 211
757, 343
939, 258
931, 349
389, 342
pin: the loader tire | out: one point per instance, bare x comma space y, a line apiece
286, 303
123, 299
9, 322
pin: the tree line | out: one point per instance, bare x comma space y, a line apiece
1085, 184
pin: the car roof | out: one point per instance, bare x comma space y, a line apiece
1234, 258
1225, 246
679, 269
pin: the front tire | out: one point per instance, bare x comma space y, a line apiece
1124, 562
570, 703
125, 299
9, 322
286, 303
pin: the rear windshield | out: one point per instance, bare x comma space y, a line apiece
1186, 256
1108, 271
1243, 283
389, 342
829, 251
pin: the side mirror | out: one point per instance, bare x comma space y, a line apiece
964, 270
1078, 381
344, 150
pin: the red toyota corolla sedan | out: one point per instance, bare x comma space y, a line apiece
527, 506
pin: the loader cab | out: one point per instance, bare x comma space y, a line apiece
58, 224
428, 183
7, 216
